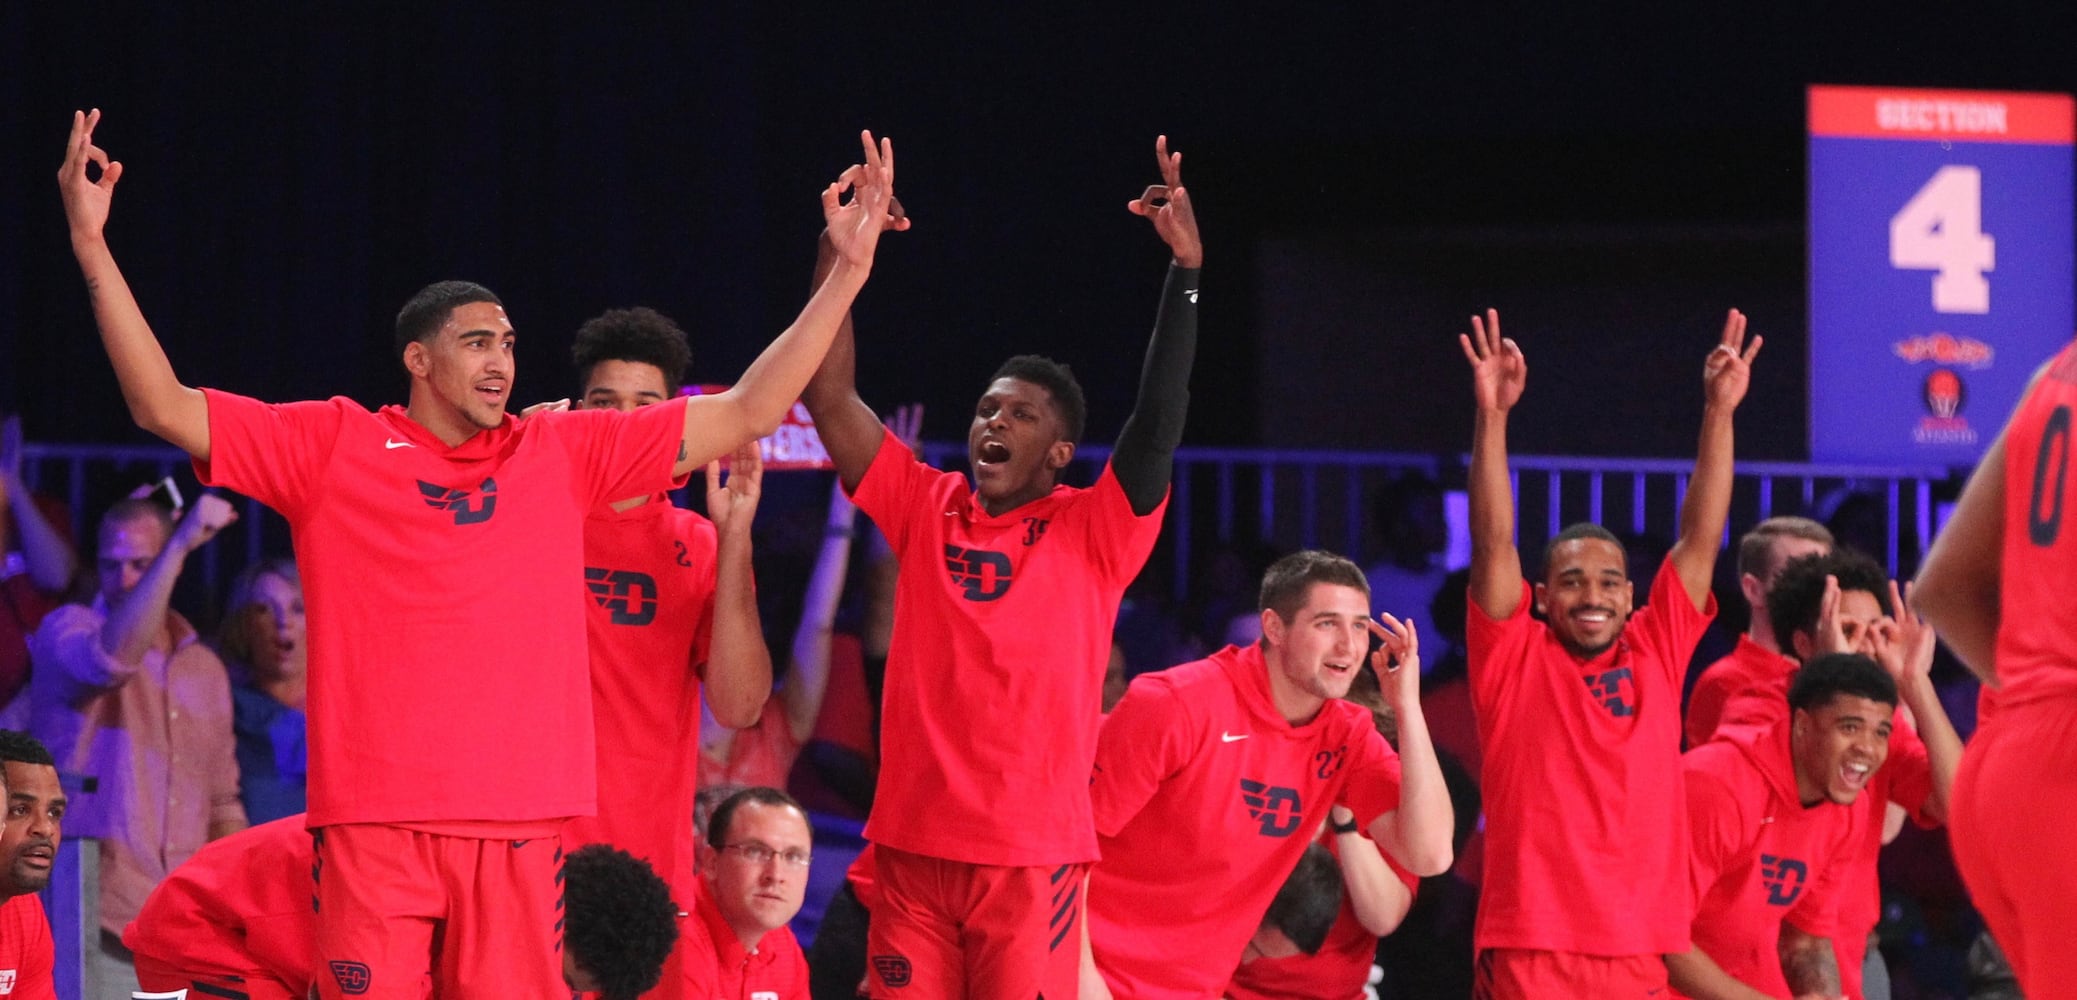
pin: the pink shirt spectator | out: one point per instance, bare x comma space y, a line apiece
156, 737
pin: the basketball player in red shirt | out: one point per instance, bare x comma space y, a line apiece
450, 718
2014, 804
671, 605
1580, 718
1844, 602
1764, 550
1210, 776
28, 849
1008, 589
1771, 817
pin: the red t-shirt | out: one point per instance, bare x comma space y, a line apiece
1759, 855
26, 953
1749, 666
1002, 630
718, 967
1338, 972
2038, 619
649, 574
762, 754
1905, 778
1204, 798
1584, 824
447, 678
240, 905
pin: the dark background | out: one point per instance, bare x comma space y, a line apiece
1611, 177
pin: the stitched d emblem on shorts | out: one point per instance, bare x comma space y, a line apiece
353, 977
893, 969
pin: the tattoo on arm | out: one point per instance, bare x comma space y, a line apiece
1807, 963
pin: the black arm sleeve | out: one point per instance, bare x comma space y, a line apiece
1144, 460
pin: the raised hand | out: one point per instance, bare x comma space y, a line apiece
1830, 633
1499, 373
210, 514
854, 227
1727, 372
1168, 205
731, 506
907, 424
86, 201
1906, 644
1397, 661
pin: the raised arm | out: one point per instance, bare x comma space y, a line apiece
50, 558
754, 406
1726, 374
1144, 459
849, 430
1499, 373
1419, 831
1904, 645
158, 401
739, 666
135, 624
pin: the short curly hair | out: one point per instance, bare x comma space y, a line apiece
621, 924
641, 335
1059, 381
1798, 594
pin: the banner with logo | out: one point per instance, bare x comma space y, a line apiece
794, 446
1940, 266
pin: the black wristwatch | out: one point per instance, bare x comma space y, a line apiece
1348, 827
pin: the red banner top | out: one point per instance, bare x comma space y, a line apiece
1956, 115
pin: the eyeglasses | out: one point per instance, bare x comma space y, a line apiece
758, 854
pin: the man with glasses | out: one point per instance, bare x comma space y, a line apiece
753, 875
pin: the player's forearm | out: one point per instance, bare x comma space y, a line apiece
1145, 456
1706, 506
1376, 895
1958, 590
739, 667
759, 400
849, 430
1943, 744
807, 674
1421, 829
51, 561
158, 401
1496, 565
136, 624
1696, 975
1807, 963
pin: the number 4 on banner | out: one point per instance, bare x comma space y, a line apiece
1941, 229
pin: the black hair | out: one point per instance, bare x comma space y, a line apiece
725, 813
427, 311
22, 748
1798, 593
1575, 532
1058, 380
1833, 674
1288, 580
622, 922
641, 335
1305, 908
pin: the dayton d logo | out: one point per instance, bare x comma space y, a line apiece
893, 969
1613, 691
352, 976
982, 574
1783, 878
631, 596
469, 507
1274, 806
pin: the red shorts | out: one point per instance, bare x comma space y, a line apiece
254, 985
948, 929
1525, 974
2015, 797
483, 917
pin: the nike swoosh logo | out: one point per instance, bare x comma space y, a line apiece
1225, 737
393, 444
